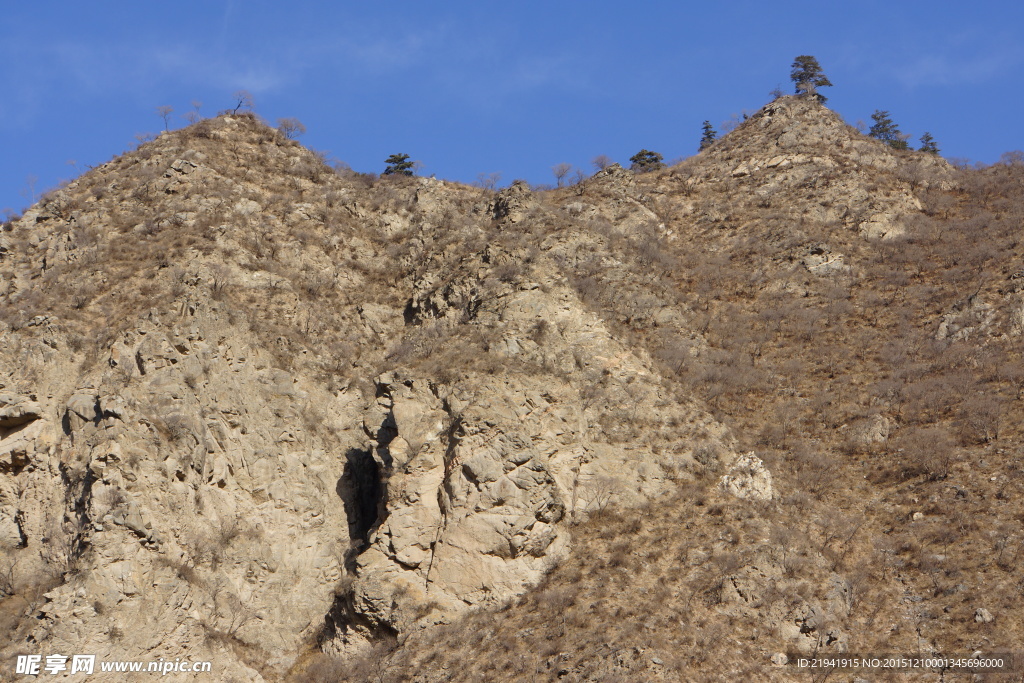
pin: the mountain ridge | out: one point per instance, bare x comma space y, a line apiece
313, 412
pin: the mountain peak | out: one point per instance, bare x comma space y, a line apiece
797, 125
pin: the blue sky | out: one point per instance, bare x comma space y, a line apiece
478, 87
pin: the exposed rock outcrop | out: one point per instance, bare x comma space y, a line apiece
749, 479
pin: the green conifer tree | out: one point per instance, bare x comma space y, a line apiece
710, 135
887, 131
398, 164
646, 160
807, 75
928, 144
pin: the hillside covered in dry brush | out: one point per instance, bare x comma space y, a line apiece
312, 424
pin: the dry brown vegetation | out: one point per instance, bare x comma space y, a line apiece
885, 396
923, 524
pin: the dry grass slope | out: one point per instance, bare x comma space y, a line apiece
852, 314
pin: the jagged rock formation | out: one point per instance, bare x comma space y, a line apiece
183, 457
188, 484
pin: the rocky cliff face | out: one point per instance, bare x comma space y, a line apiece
181, 488
483, 476
252, 410
201, 455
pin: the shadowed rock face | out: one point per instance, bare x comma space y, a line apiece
474, 510
20, 431
201, 505
484, 476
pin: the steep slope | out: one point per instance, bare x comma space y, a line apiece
295, 416
182, 491
857, 328
270, 408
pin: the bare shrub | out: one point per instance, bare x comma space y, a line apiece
927, 452
980, 418
814, 470
377, 664
290, 127
8, 564
488, 181
560, 171
706, 454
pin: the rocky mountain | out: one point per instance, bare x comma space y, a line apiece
310, 424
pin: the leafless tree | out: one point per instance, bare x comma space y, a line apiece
235, 611
243, 100
165, 111
194, 116
61, 544
290, 127
597, 493
560, 171
488, 181
601, 162
30, 191
1012, 158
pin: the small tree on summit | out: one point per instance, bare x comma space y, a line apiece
243, 100
807, 75
601, 162
710, 135
165, 113
645, 160
886, 130
928, 144
560, 171
399, 164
